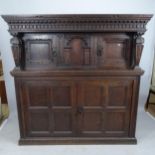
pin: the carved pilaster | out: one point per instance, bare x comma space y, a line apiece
17, 49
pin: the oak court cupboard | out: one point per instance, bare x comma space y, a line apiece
77, 77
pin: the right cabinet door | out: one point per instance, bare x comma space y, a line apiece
113, 50
104, 107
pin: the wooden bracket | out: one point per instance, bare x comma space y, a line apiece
17, 50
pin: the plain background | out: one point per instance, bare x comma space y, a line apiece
77, 7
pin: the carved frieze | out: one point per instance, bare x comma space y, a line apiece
78, 23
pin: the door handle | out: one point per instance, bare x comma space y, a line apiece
99, 50
54, 52
79, 110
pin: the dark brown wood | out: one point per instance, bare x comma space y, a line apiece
77, 77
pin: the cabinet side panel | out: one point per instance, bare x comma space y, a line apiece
21, 118
134, 106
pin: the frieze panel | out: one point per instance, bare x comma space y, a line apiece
77, 23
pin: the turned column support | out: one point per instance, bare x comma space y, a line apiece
18, 51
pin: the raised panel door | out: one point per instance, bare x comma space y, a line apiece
49, 108
113, 50
90, 109
104, 107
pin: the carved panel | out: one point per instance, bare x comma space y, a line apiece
41, 50
39, 53
76, 50
115, 51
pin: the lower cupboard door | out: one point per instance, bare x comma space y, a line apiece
49, 108
104, 107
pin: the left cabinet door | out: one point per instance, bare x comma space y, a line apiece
49, 108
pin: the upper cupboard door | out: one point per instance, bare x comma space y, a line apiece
41, 50
113, 50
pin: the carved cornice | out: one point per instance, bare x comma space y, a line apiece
77, 23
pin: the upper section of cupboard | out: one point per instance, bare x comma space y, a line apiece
77, 41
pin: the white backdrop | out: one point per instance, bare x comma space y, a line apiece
77, 7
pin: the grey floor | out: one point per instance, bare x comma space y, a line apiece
145, 134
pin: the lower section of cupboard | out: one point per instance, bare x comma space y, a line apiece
77, 140
86, 110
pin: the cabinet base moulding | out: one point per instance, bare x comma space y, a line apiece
69, 141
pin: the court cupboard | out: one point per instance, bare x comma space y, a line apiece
77, 77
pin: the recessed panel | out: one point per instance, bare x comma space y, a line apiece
62, 121
38, 95
117, 95
39, 121
115, 121
115, 50
39, 53
92, 121
93, 95
62, 96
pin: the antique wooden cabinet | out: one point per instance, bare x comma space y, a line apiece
77, 77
